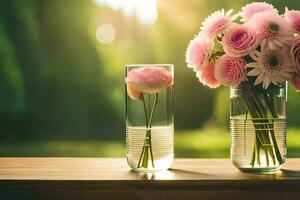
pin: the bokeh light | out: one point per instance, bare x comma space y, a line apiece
106, 33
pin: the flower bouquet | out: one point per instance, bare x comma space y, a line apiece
255, 52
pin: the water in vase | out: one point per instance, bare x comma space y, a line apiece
162, 141
243, 143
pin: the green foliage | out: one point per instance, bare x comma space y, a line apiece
293, 102
50, 61
12, 102
210, 142
222, 107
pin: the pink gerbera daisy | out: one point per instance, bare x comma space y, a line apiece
217, 23
256, 7
272, 29
207, 76
198, 52
271, 66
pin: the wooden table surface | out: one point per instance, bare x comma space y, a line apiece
111, 178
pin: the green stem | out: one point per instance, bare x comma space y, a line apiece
153, 109
262, 139
140, 163
267, 157
147, 147
271, 106
258, 146
253, 155
149, 100
264, 125
245, 121
146, 115
255, 119
150, 124
258, 140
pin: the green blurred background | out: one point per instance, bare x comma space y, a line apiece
62, 75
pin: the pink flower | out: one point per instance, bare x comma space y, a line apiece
215, 24
271, 66
295, 51
296, 82
293, 18
230, 71
207, 76
272, 29
256, 7
198, 52
148, 80
133, 92
239, 41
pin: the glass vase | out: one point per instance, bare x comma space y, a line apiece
150, 126
258, 127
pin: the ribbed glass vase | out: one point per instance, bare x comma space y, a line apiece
150, 127
258, 127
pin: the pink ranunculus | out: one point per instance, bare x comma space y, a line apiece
295, 51
149, 79
198, 52
256, 7
296, 82
230, 71
293, 18
239, 41
207, 76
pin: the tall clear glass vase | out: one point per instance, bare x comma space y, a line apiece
149, 125
258, 127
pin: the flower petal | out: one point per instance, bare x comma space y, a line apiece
254, 72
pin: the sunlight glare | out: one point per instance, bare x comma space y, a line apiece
145, 10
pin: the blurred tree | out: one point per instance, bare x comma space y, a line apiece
222, 107
11, 80
293, 103
64, 86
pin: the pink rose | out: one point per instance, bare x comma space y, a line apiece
295, 51
207, 76
230, 71
198, 52
293, 18
239, 41
148, 80
296, 82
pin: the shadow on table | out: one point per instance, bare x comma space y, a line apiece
186, 172
290, 173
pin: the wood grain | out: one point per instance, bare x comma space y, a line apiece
111, 178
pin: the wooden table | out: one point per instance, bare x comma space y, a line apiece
110, 178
